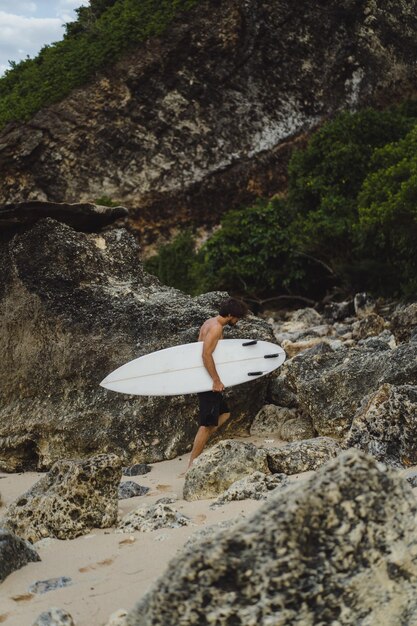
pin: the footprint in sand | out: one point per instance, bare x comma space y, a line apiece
88, 568
164, 488
24, 597
4, 617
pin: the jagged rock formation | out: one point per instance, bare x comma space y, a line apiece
204, 117
339, 548
73, 307
386, 426
70, 500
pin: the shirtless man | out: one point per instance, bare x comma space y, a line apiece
213, 408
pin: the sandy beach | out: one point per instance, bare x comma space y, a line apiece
108, 570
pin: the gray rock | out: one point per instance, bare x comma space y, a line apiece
404, 321
219, 467
309, 556
270, 419
130, 489
298, 428
211, 531
280, 393
54, 617
302, 456
70, 500
338, 311
386, 426
43, 586
136, 470
154, 517
364, 305
287, 424
257, 486
73, 307
369, 326
330, 387
14, 553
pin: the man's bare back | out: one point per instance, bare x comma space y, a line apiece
211, 326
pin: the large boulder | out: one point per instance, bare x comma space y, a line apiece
386, 425
202, 118
339, 548
220, 466
73, 307
14, 553
331, 385
404, 322
287, 424
70, 500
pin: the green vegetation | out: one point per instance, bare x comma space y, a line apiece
102, 33
349, 220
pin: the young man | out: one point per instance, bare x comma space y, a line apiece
213, 408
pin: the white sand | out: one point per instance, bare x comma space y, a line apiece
109, 571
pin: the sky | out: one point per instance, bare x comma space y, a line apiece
26, 26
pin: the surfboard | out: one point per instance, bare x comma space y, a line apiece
179, 370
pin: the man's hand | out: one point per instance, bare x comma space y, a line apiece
218, 385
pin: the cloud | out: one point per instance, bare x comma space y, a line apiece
25, 27
21, 36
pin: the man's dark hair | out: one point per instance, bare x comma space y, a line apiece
233, 307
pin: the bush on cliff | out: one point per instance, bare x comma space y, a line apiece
101, 34
349, 219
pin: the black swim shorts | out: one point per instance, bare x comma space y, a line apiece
212, 404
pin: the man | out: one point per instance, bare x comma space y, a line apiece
213, 408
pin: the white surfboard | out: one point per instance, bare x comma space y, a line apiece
180, 370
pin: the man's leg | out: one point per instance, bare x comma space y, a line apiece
222, 419
200, 441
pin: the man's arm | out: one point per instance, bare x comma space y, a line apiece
209, 346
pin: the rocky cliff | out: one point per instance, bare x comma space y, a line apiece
204, 118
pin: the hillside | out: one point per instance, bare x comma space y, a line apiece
203, 117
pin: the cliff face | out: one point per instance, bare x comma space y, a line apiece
205, 117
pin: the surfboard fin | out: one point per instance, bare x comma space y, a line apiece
271, 356
255, 373
250, 343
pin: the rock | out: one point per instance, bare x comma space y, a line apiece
369, 326
364, 305
338, 548
411, 477
81, 216
14, 553
154, 517
280, 393
210, 531
54, 617
298, 428
380, 342
257, 486
292, 349
330, 387
118, 618
338, 311
130, 489
287, 424
270, 418
219, 467
70, 500
43, 586
73, 307
386, 427
136, 129
302, 456
404, 322
136, 470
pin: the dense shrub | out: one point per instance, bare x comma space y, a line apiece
174, 263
